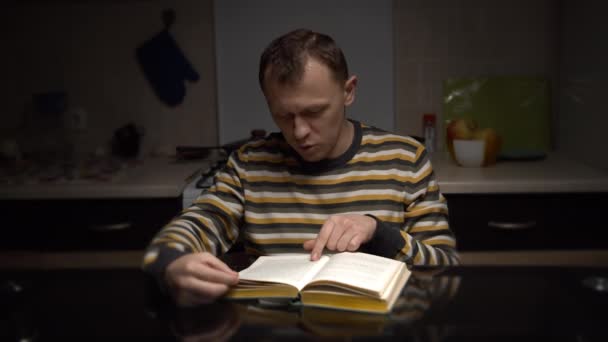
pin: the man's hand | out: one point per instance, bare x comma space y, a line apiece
198, 278
342, 233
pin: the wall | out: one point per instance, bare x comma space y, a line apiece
438, 39
362, 28
8, 82
584, 72
88, 49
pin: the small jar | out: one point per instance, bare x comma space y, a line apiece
429, 131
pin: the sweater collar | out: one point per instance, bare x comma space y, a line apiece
333, 163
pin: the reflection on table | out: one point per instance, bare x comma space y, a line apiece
453, 304
241, 318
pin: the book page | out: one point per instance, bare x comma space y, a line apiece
360, 270
295, 270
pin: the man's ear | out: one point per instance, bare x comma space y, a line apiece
349, 90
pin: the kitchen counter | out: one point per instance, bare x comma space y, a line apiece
149, 178
164, 177
554, 174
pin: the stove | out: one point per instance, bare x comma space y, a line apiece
206, 179
201, 183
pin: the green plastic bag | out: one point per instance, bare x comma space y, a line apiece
518, 108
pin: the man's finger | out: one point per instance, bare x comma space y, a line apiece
335, 236
345, 240
309, 244
219, 265
321, 239
214, 275
354, 243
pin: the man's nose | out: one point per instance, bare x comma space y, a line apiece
301, 127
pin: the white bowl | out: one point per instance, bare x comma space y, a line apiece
469, 153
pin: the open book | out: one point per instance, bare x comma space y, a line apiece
349, 281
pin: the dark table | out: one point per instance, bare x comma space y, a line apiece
455, 304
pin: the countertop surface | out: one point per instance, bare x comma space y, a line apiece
148, 178
555, 173
164, 177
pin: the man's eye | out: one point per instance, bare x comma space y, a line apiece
314, 111
284, 116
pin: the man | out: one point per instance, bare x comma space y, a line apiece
323, 183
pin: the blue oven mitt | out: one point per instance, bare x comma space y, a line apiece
166, 68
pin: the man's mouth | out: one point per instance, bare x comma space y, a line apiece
305, 147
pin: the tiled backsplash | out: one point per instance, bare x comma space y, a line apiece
437, 39
88, 49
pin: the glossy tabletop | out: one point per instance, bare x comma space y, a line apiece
465, 303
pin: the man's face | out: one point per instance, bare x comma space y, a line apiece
311, 113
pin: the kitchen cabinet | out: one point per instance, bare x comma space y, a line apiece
551, 204
84, 224
121, 214
527, 221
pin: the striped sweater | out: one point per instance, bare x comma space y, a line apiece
273, 201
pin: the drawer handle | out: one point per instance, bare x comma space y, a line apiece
512, 225
111, 227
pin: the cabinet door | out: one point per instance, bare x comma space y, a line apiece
64, 225
526, 221
20, 224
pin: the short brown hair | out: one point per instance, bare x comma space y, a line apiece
285, 56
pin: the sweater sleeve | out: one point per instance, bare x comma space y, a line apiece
425, 237
211, 224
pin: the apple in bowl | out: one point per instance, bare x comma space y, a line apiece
459, 129
493, 143
467, 129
